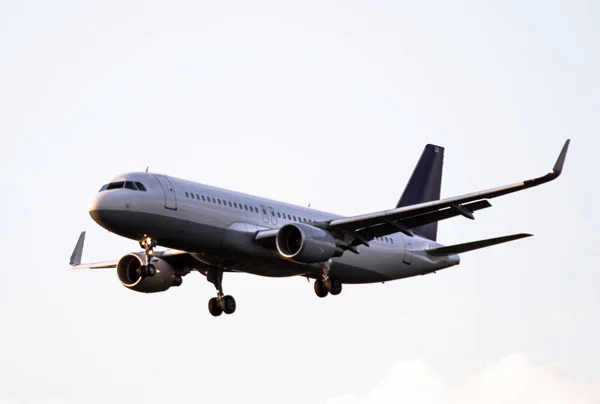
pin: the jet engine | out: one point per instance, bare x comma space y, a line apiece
128, 271
308, 244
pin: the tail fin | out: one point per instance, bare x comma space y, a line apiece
425, 185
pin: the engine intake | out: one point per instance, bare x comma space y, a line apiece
128, 271
308, 244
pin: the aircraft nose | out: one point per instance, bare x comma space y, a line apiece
102, 205
98, 203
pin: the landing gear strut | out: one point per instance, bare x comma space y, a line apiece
327, 284
222, 303
148, 244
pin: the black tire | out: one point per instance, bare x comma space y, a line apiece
151, 270
228, 304
321, 288
214, 307
334, 286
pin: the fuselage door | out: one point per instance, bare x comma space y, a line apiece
273, 215
265, 214
406, 249
170, 198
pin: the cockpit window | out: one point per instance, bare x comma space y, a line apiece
116, 185
133, 185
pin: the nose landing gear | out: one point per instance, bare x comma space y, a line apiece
148, 244
222, 303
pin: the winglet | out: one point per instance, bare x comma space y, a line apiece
556, 171
78, 251
560, 162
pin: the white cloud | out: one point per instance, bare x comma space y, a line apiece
512, 380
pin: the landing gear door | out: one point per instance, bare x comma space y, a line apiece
170, 198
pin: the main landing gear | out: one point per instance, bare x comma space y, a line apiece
148, 270
220, 304
326, 284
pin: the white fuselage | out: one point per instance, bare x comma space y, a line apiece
218, 227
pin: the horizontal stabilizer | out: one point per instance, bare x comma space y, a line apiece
474, 245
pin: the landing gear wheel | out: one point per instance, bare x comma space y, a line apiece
334, 285
321, 288
227, 303
214, 307
150, 270
143, 271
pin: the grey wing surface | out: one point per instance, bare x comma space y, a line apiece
176, 258
402, 219
363, 228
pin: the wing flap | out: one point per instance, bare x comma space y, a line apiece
405, 225
474, 245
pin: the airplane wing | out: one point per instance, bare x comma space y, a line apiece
75, 260
175, 257
361, 229
366, 227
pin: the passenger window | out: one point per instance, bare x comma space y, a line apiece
203, 199
264, 211
186, 194
218, 200
246, 207
294, 217
192, 195
235, 205
229, 204
278, 215
140, 186
214, 200
273, 213
197, 196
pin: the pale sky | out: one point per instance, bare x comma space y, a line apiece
323, 102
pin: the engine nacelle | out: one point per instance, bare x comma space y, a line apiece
308, 244
128, 273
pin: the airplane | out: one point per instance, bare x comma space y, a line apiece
215, 231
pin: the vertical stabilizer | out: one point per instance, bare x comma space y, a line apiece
425, 185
